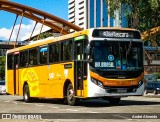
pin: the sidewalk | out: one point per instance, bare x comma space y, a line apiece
151, 95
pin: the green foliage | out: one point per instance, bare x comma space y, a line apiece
147, 12
2, 66
157, 75
43, 36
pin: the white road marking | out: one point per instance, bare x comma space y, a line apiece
71, 110
54, 107
39, 105
15, 102
25, 103
93, 112
7, 101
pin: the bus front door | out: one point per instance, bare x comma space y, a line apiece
16, 73
80, 66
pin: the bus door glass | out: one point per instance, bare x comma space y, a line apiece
16, 72
80, 65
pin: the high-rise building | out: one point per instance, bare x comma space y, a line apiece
93, 13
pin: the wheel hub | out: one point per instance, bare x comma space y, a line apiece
70, 94
25, 96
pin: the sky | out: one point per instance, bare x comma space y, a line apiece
58, 8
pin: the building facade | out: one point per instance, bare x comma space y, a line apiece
93, 13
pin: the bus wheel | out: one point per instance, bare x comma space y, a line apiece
26, 94
71, 100
114, 101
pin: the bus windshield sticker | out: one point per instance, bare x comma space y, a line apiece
118, 64
104, 64
110, 57
124, 67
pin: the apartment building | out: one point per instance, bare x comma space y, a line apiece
93, 13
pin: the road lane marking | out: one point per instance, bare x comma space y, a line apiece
54, 107
93, 112
39, 105
15, 102
7, 101
71, 109
25, 103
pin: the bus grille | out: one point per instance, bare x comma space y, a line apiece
121, 89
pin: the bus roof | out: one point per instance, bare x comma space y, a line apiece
47, 41
60, 38
115, 28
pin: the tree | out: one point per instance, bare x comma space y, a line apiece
43, 36
2, 67
145, 13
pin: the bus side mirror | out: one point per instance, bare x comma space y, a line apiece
90, 60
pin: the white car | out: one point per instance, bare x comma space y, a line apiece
2, 87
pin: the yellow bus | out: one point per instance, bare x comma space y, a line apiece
102, 63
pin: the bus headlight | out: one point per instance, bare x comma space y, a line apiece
97, 82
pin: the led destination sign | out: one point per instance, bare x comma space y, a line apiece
116, 34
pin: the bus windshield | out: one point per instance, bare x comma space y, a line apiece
117, 55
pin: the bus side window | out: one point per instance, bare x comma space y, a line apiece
24, 59
43, 55
54, 53
10, 61
66, 50
33, 56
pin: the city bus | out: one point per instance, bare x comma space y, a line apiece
104, 63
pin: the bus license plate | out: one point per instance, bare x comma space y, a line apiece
122, 90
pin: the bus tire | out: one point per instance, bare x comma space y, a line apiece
26, 94
71, 100
114, 101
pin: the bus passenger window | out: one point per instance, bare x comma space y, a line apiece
10, 61
54, 53
31, 61
67, 50
33, 57
24, 59
43, 55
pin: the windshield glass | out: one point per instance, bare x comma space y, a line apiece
117, 55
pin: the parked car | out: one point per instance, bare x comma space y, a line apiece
2, 87
152, 87
150, 77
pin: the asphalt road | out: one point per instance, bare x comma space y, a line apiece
130, 109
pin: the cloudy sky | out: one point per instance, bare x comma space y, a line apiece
56, 7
